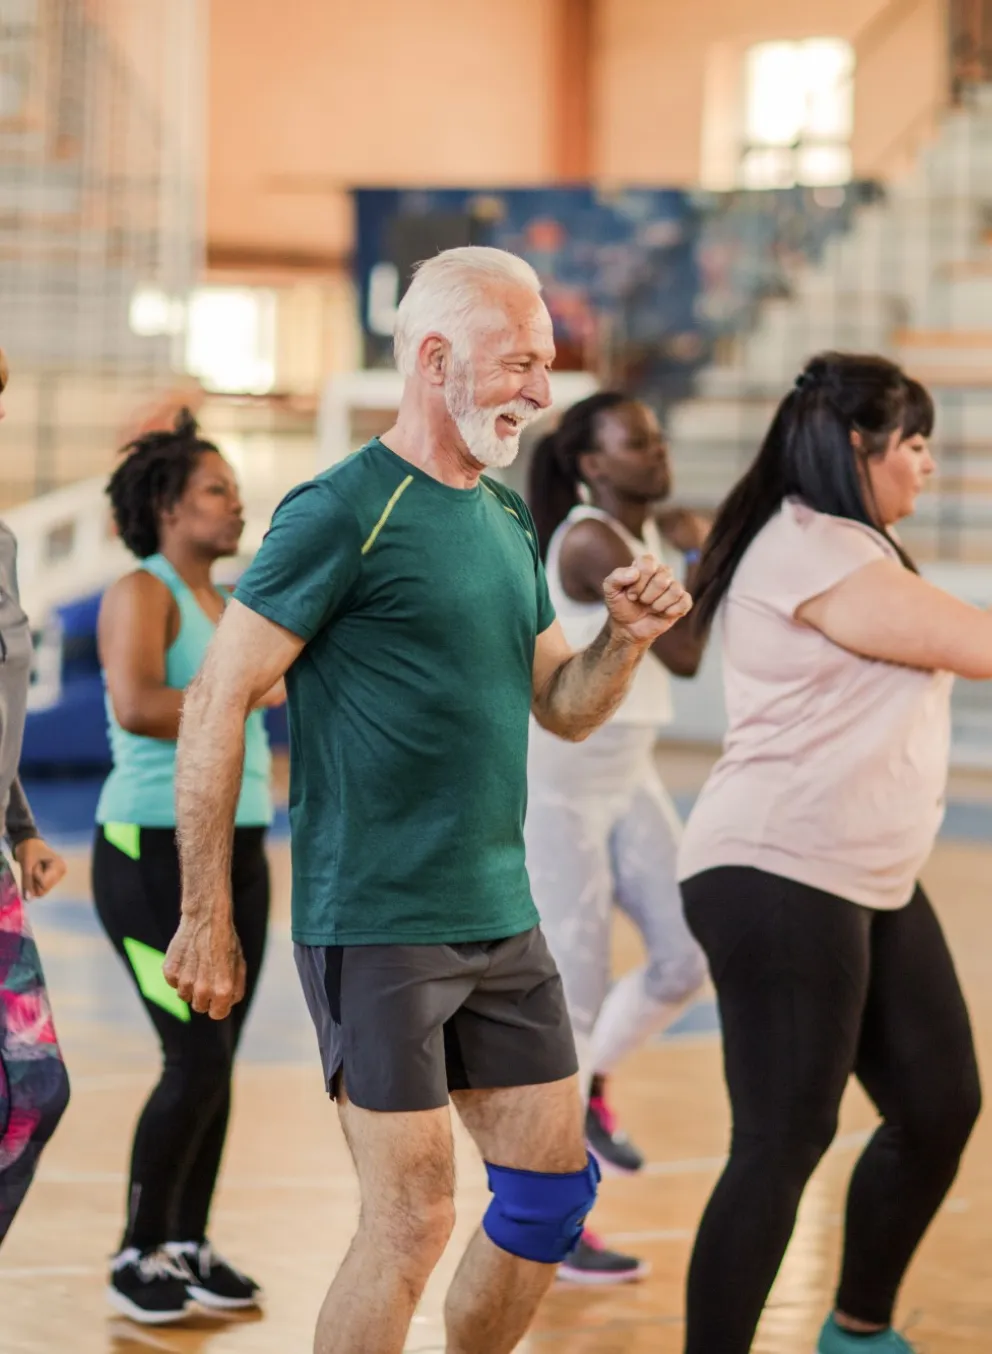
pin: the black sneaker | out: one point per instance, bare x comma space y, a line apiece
611, 1147
211, 1281
593, 1263
148, 1287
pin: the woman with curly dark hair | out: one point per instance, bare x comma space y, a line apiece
178, 509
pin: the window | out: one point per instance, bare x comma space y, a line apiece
799, 110
231, 339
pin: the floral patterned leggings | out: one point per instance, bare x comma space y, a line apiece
34, 1086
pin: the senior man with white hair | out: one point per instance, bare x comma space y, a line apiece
402, 595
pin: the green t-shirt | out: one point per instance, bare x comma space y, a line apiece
409, 706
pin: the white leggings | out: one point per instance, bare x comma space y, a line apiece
602, 829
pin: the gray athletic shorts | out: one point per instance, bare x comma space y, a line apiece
406, 1024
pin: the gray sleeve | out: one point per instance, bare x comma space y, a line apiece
20, 820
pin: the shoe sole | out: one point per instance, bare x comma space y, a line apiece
133, 1312
608, 1167
219, 1304
591, 1279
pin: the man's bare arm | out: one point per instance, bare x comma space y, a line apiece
575, 693
247, 657
589, 553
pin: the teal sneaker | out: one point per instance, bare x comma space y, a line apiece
834, 1340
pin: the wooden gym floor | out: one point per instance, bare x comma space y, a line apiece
287, 1200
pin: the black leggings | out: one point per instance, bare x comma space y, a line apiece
180, 1135
812, 988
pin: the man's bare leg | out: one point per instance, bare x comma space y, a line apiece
406, 1173
494, 1295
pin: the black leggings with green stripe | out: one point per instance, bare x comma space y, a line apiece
180, 1135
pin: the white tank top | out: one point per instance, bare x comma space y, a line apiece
649, 700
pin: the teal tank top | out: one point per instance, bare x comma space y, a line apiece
140, 789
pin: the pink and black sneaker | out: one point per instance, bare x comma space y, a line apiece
608, 1143
593, 1263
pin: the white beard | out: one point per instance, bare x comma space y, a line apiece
478, 426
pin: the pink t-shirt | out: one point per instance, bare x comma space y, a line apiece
834, 766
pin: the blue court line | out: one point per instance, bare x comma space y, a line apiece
967, 821
702, 1018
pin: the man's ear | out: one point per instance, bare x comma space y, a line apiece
433, 358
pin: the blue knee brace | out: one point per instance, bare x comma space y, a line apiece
538, 1215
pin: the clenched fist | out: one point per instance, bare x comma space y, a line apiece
205, 965
645, 599
41, 867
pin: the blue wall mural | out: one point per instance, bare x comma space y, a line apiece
642, 282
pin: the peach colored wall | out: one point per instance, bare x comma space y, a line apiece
309, 97
901, 87
653, 63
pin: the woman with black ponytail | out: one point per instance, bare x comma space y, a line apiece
600, 825
800, 861
177, 508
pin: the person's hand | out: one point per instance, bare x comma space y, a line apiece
684, 531
205, 965
645, 599
276, 695
41, 867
